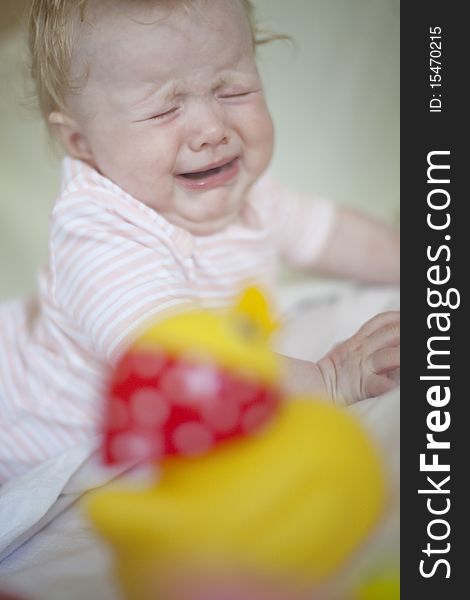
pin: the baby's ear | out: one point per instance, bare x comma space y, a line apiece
70, 136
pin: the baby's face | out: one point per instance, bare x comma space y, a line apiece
173, 109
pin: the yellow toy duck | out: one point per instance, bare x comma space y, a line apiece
253, 486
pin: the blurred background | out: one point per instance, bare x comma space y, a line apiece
333, 93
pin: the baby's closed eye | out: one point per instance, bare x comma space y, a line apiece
228, 95
166, 113
160, 115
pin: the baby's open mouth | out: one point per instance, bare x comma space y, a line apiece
219, 174
197, 175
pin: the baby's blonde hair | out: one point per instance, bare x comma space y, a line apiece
51, 36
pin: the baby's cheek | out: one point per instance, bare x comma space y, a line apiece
260, 136
151, 161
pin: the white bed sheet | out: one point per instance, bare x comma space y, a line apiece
48, 551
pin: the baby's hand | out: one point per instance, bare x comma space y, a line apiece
367, 363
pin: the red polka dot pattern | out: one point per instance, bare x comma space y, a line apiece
160, 406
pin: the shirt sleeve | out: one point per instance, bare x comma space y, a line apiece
109, 277
301, 223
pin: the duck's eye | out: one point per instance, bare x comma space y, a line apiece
247, 329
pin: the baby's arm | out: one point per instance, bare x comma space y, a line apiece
111, 277
360, 367
362, 249
314, 235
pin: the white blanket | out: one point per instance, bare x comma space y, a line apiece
49, 551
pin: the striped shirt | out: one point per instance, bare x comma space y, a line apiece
114, 263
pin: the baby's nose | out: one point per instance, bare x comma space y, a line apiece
208, 127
